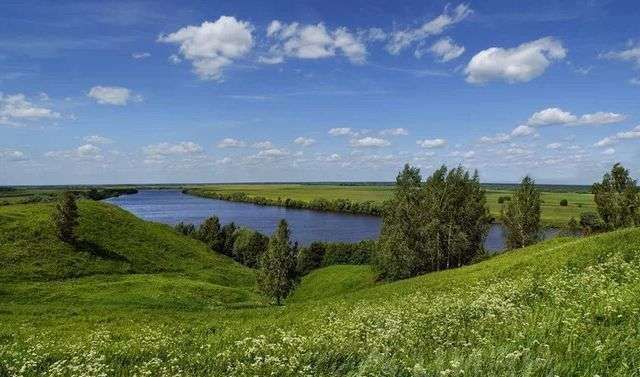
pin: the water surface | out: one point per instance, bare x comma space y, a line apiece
172, 206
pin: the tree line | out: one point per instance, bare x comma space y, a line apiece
429, 225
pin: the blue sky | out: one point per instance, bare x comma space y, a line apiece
136, 92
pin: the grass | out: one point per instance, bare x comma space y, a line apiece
166, 306
552, 213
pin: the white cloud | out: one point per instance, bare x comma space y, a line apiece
341, 131
467, 154
497, 139
394, 132
556, 116
167, 149
212, 46
273, 153
266, 144
112, 95
231, 143
401, 39
369, 142
304, 141
140, 55
551, 116
523, 130
634, 81
97, 139
614, 139
312, 42
15, 108
174, 59
444, 49
519, 64
554, 146
432, 143
632, 54
12, 155
609, 151
88, 150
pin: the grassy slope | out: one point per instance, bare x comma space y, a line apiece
552, 213
565, 307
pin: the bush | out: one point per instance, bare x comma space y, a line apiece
348, 253
503, 199
249, 246
591, 223
185, 229
564, 203
310, 257
66, 217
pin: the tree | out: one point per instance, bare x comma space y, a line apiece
434, 225
564, 203
521, 218
277, 276
209, 232
249, 246
226, 238
185, 229
310, 258
401, 251
617, 198
590, 222
66, 217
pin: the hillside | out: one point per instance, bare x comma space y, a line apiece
562, 307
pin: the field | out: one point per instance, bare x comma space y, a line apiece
552, 213
138, 299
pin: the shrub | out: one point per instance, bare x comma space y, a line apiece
591, 223
310, 257
564, 203
503, 199
185, 229
65, 217
348, 253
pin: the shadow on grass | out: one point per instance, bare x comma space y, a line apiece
98, 251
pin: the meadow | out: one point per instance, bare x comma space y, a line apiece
553, 214
139, 299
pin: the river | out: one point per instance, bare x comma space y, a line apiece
172, 206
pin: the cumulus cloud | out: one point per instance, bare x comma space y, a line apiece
83, 152
369, 142
399, 40
556, 116
463, 154
212, 46
15, 108
97, 139
444, 49
342, 131
184, 148
432, 143
394, 132
304, 141
231, 143
496, 139
632, 54
88, 150
614, 139
112, 95
519, 64
266, 144
273, 153
312, 42
12, 155
554, 146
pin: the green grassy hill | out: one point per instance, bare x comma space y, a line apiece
169, 307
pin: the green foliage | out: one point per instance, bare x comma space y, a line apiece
278, 275
209, 233
592, 223
310, 257
348, 253
617, 198
65, 218
564, 203
185, 229
432, 226
249, 246
521, 218
503, 199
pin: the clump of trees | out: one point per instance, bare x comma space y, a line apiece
249, 246
433, 225
66, 217
617, 199
278, 270
521, 217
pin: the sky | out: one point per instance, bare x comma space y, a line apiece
227, 91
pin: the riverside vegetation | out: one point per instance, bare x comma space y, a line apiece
129, 297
